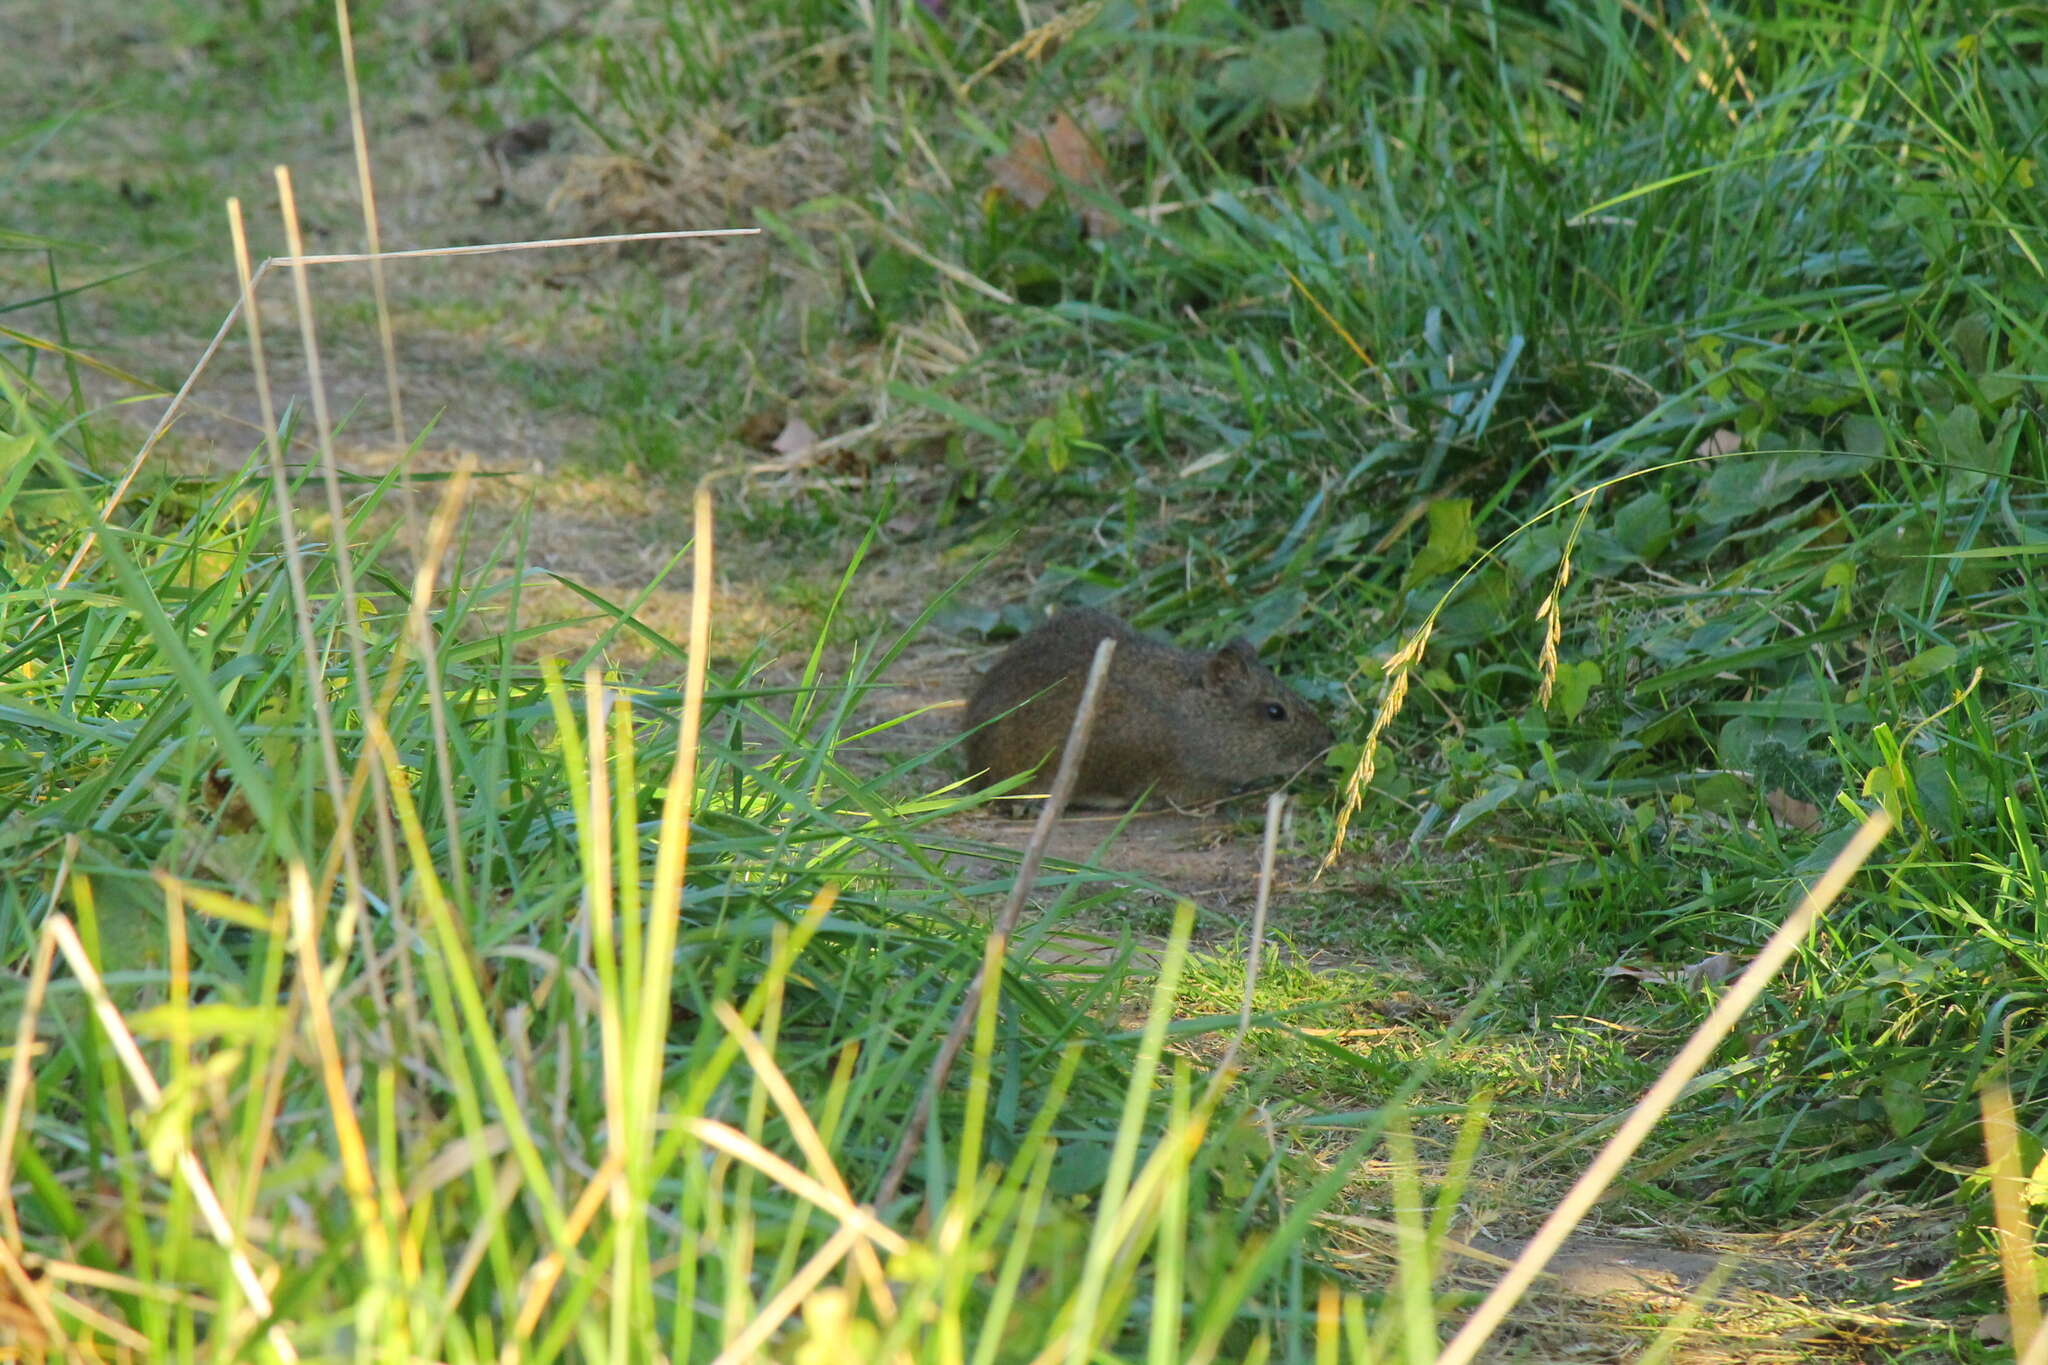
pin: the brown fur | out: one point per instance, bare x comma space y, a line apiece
1189, 725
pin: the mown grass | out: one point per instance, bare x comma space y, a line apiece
1393, 285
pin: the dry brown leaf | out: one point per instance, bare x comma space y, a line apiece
1791, 811
1037, 164
1722, 442
760, 428
20, 1327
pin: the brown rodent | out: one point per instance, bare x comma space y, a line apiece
1190, 726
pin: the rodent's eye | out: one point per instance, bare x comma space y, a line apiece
1275, 711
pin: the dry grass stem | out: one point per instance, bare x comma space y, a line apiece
494, 248
789, 1298
344, 556
1006, 921
541, 1282
1698, 1050
19, 1075
815, 1149
862, 1221
310, 659
1276, 805
1685, 54
58, 930
420, 630
121, 486
366, 184
357, 1177
1034, 43
176, 407
1550, 614
2009, 1215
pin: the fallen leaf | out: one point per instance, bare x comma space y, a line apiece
1791, 811
796, 438
1707, 971
1713, 970
1722, 442
1059, 154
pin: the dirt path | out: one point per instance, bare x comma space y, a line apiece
612, 532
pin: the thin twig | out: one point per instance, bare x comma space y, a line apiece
175, 409
1275, 804
310, 657
1006, 922
492, 248
359, 134
344, 557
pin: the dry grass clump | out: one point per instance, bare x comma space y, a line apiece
708, 171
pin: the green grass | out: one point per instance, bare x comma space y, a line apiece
513, 970
1409, 307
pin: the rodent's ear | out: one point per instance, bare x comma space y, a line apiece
1234, 665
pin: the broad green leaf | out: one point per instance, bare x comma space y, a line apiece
1575, 684
1928, 662
1723, 793
1283, 68
1864, 435
1956, 440
1452, 541
1903, 1097
1488, 801
1745, 485
1643, 525
1971, 338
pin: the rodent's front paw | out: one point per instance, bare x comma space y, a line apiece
1013, 807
